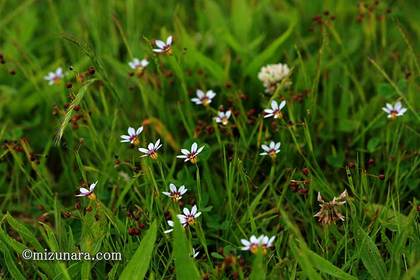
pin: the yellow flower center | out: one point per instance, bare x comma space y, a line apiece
253, 248
190, 220
135, 140
224, 121
205, 101
92, 196
153, 155
272, 154
193, 158
278, 114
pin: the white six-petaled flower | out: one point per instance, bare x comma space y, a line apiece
255, 243
151, 150
272, 150
395, 110
191, 155
273, 74
133, 136
189, 217
275, 110
88, 192
223, 117
203, 98
162, 47
175, 193
55, 77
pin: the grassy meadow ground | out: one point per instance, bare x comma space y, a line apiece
347, 59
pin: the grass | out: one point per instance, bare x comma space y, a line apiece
346, 63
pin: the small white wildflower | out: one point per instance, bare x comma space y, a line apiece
151, 150
88, 193
203, 98
138, 66
394, 111
194, 253
223, 117
171, 224
272, 150
55, 77
162, 47
271, 75
275, 110
191, 155
175, 193
133, 136
255, 243
189, 217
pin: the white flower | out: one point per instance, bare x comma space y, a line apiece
271, 75
272, 150
223, 117
162, 47
254, 243
175, 194
203, 98
171, 224
133, 136
138, 65
89, 193
275, 110
394, 111
267, 242
191, 155
194, 253
55, 77
151, 150
189, 217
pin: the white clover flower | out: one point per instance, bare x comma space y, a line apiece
275, 110
394, 111
189, 217
223, 117
194, 253
203, 98
191, 155
175, 193
271, 75
171, 224
55, 77
162, 47
133, 136
88, 193
272, 150
151, 150
138, 65
255, 243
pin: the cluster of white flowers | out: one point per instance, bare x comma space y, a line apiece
272, 75
255, 243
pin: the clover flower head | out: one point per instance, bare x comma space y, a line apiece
272, 75
164, 47
175, 193
275, 110
171, 225
223, 117
272, 149
151, 150
54, 78
203, 98
88, 192
192, 154
189, 217
133, 136
330, 211
395, 110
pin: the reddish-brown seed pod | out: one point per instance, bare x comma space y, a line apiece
133, 231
